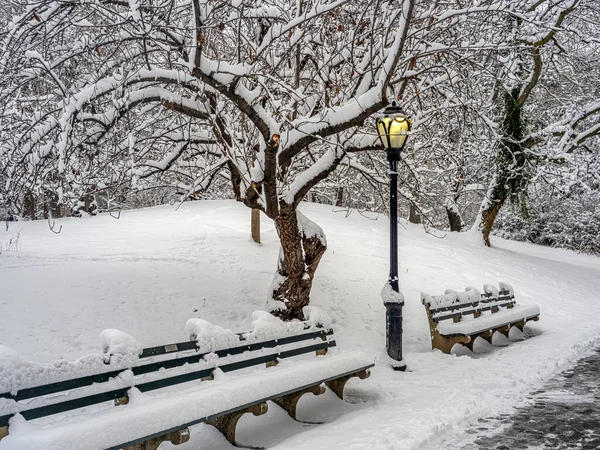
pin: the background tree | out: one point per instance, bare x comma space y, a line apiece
538, 39
256, 100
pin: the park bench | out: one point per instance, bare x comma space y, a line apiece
187, 384
461, 317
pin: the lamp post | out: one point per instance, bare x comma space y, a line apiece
393, 127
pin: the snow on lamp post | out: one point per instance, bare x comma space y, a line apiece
393, 127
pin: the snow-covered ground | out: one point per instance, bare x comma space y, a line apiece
151, 270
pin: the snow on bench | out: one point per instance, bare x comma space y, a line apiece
214, 378
474, 315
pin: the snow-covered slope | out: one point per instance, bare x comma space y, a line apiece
151, 270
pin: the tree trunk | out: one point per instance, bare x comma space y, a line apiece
51, 206
89, 204
302, 246
413, 215
255, 225
339, 201
514, 171
454, 217
29, 206
488, 216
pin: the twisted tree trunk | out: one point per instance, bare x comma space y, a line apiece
512, 175
302, 246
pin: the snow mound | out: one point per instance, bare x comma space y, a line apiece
507, 287
491, 289
210, 337
317, 317
388, 295
116, 343
265, 327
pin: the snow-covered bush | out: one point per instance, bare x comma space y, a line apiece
572, 222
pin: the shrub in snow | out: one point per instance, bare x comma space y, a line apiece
572, 222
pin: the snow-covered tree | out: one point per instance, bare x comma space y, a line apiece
113, 95
267, 96
539, 39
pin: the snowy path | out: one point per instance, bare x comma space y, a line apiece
564, 414
151, 270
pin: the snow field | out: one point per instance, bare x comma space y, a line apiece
150, 271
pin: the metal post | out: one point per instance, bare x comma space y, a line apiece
394, 308
393, 160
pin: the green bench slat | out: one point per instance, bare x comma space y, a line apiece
239, 408
60, 386
69, 405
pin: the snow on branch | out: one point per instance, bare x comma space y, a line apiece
571, 132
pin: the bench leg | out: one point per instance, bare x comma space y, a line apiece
522, 323
226, 424
121, 401
3, 432
175, 438
323, 351
338, 384
290, 402
445, 343
504, 330
487, 335
469, 344
519, 325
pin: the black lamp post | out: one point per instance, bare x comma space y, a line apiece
393, 127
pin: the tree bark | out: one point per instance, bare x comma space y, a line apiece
413, 215
302, 246
514, 171
454, 218
339, 201
255, 225
488, 216
29, 206
89, 204
52, 207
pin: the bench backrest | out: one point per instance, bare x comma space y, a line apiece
455, 304
162, 366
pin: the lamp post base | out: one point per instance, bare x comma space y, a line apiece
395, 365
399, 366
